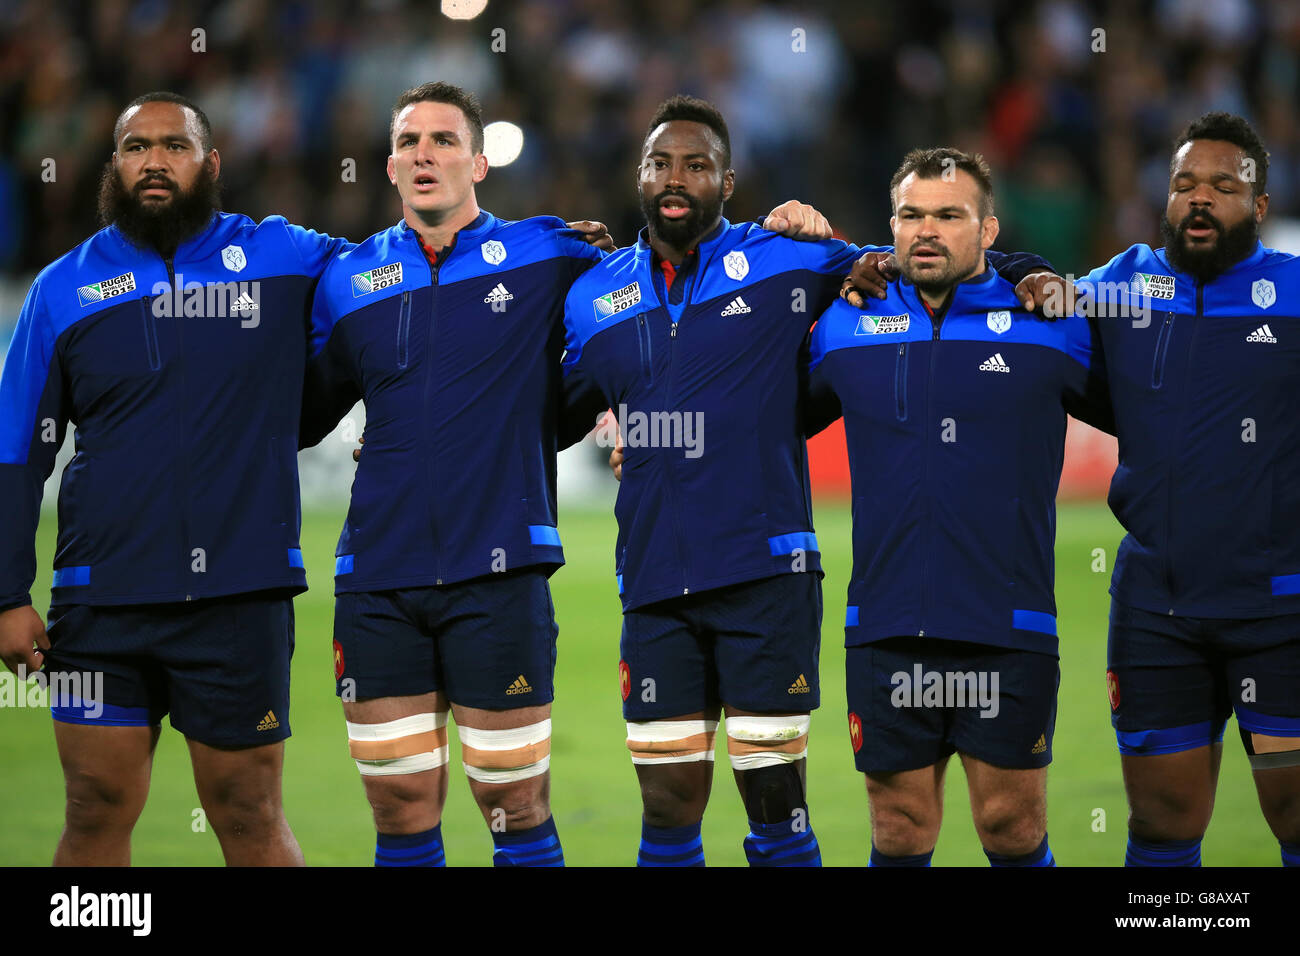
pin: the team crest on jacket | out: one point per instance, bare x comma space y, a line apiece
494, 252
1262, 293
1000, 321
736, 264
614, 302
234, 259
855, 731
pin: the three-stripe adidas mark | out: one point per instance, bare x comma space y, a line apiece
520, 686
499, 294
1262, 334
800, 686
269, 722
995, 363
736, 307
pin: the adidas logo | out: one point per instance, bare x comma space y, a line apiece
995, 363
1262, 334
499, 294
800, 686
1041, 746
269, 722
520, 686
737, 307
245, 303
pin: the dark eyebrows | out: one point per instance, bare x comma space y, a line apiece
415, 134
165, 138
908, 207
666, 155
1217, 176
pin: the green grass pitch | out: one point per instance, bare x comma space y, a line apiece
594, 793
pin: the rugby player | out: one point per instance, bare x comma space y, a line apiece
697, 332
178, 516
954, 401
1202, 346
449, 320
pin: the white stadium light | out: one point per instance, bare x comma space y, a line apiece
502, 143
463, 9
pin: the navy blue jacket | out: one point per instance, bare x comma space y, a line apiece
956, 431
727, 501
184, 380
1206, 391
459, 367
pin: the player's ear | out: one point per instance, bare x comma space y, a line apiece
1261, 207
988, 231
215, 159
728, 184
480, 167
392, 170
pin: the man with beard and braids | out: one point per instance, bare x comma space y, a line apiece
696, 337
1202, 349
175, 339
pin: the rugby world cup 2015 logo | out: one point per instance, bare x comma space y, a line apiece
617, 301
363, 283
106, 289
1152, 286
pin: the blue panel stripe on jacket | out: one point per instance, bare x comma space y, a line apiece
1286, 584
74, 577
1034, 621
851, 616
788, 543
1270, 724
295, 558
1168, 740
343, 564
619, 578
544, 534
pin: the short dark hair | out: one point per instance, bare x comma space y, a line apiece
463, 100
164, 96
694, 110
935, 163
1228, 128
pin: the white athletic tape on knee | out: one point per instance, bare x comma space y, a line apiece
406, 745
755, 742
504, 756
671, 741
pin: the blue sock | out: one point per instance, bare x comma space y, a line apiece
782, 844
1039, 857
880, 859
410, 849
1290, 854
1162, 852
670, 846
536, 846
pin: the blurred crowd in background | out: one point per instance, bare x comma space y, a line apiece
1077, 124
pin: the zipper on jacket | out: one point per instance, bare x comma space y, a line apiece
426, 401
404, 328
925, 471
669, 467
1175, 445
1162, 349
900, 381
150, 333
182, 439
643, 345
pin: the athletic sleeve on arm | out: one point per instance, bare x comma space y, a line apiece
581, 399
330, 385
1087, 395
1014, 266
821, 406
315, 248
33, 417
